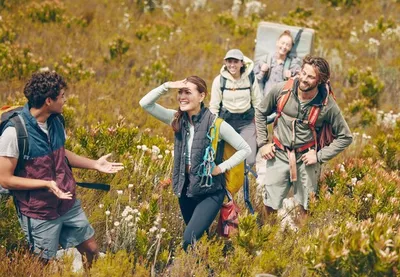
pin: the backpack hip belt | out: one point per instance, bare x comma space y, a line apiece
291, 152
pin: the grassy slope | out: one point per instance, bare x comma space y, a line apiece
194, 42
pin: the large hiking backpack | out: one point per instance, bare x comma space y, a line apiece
268, 33
234, 178
11, 113
325, 136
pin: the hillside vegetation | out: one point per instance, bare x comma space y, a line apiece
114, 52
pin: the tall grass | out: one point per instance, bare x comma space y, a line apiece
112, 53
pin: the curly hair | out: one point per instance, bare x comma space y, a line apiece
320, 65
42, 85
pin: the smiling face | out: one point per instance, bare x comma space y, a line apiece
56, 106
308, 78
190, 99
284, 45
233, 66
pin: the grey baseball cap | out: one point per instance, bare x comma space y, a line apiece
234, 54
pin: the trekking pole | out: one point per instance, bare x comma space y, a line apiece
246, 188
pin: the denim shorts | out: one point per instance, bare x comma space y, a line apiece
277, 183
69, 230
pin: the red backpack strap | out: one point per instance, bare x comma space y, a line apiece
288, 87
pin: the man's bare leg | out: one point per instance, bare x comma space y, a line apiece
89, 251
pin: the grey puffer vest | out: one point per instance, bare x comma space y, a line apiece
196, 186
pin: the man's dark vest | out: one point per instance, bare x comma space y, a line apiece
45, 161
196, 187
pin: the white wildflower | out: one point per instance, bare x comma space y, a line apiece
135, 211
162, 230
373, 41
367, 26
101, 206
119, 192
139, 147
158, 236
130, 224
354, 181
128, 209
253, 7
108, 213
353, 34
124, 213
130, 186
369, 195
153, 229
129, 218
167, 152
144, 147
116, 223
159, 157
155, 150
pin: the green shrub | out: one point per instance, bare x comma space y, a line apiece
16, 62
118, 48
157, 73
366, 248
342, 3
6, 32
114, 265
73, 70
46, 11
11, 234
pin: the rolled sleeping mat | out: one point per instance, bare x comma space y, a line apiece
268, 33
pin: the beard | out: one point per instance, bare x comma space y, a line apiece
306, 88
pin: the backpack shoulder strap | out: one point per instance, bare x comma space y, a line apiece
252, 77
286, 66
313, 116
285, 94
22, 137
215, 133
284, 97
222, 83
216, 144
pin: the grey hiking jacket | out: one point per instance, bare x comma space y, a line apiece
283, 130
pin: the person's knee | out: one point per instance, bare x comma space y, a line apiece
88, 247
188, 239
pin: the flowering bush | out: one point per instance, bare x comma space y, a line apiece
73, 70
17, 62
46, 11
118, 48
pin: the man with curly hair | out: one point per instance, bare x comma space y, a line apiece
42, 184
